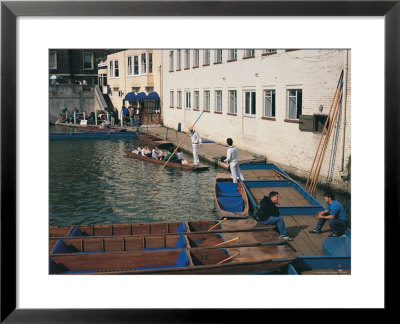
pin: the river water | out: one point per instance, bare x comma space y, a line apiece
95, 182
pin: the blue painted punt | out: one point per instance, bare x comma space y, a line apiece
314, 207
336, 250
89, 135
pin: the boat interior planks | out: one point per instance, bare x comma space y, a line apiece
261, 174
288, 196
91, 244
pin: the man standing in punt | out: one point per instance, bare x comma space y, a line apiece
232, 159
196, 141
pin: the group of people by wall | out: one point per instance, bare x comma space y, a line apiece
132, 116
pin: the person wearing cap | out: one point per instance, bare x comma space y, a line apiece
196, 141
232, 159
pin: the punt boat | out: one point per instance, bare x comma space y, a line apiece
106, 134
233, 260
154, 140
93, 128
189, 167
91, 244
224, 225
230, 198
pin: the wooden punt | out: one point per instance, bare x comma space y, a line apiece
211, 226
154, 140
234, 260
230, 198
90, 244
93, 128
261, 179
188, 167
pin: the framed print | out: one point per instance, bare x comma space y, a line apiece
31, 28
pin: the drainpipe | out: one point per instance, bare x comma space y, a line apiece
345, 112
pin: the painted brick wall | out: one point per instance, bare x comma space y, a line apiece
315, 72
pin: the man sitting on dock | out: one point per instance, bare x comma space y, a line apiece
267, 213
334, 213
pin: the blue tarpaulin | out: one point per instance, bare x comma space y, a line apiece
231, 204
227, 189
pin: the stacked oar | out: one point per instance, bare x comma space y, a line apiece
329, 125
200, 247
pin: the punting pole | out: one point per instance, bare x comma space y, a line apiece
223, 220
187, 133
234, 239
231, 257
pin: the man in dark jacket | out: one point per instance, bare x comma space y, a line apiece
267, 213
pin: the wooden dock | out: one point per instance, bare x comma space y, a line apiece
304, 242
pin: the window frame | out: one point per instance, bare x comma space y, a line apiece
186, 59
229, 102
207, 100
91, 61
178, 60
196, 100
218, 95
230, 57
246, 54
54, 67
206, 55
188, 94
179, 99
143, 71
250, 114
216, 59
171, 98
298, 113
273, 103
196, 58
113, 69
171, 61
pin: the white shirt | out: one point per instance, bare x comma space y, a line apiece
232, 155
195, 138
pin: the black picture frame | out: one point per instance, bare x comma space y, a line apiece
10, 10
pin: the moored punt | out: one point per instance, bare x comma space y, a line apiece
235, 260
189, 167
154, 140
157, 228
96, 135
230, 198
161, 242
99, 129
293, 199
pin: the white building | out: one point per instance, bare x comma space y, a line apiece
270, 102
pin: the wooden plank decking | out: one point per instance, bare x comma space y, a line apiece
261, 175
288, 196
304, 242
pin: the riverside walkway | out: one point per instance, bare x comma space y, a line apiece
211, 152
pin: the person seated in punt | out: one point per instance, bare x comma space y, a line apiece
174, 158
179, 153
156, 153
138, 150
267, 213
146, 151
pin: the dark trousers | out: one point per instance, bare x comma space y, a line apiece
338, 226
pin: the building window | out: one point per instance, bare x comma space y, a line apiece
218, 100
218, 56
178, 60
294, 103
232, 55
88, 61
187, 59
114, 69
179, 99
207, 100
171, 60
143, 64
269, 103
130, 67
150, 62
188, 101
206, 57
269, 51
171, 99
52, 60
249, 53
196, 100
196, 57
136, 65
250, 103
232, 102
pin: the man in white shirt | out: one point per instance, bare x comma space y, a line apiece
232, 159
196, 141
